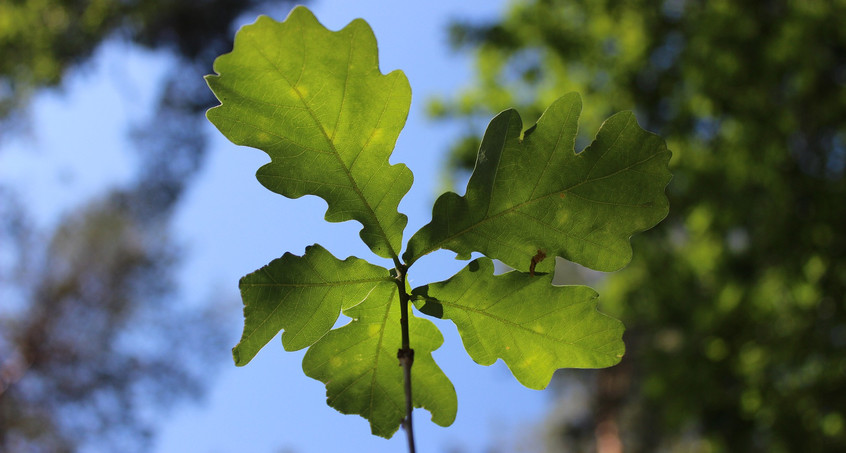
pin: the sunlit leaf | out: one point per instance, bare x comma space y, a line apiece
358, 364
316, 102
531, 195
534, 327
302, 295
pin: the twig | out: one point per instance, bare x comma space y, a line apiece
405, 355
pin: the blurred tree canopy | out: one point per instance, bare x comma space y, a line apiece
93, 336
101, 338
42, 39
736, 304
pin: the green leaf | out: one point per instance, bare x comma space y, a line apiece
531, 195
315, 101
358, 363
303, 295
534, 327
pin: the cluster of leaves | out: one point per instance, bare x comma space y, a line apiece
316, 102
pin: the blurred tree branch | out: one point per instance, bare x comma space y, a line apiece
92, 335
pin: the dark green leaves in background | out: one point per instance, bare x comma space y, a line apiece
316, 102
735, 307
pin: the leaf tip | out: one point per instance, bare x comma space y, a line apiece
463, 256
237, 358
297, 11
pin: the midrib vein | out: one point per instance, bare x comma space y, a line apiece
438, 244
331, 144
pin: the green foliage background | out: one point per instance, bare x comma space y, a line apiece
735, 305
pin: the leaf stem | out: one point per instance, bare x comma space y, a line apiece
405, 354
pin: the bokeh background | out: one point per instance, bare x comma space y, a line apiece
126, 221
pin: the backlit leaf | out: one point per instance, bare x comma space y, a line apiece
316, 102
531, 195
358, 363
302, 295
536, 328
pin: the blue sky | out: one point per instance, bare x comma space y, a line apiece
230, 225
